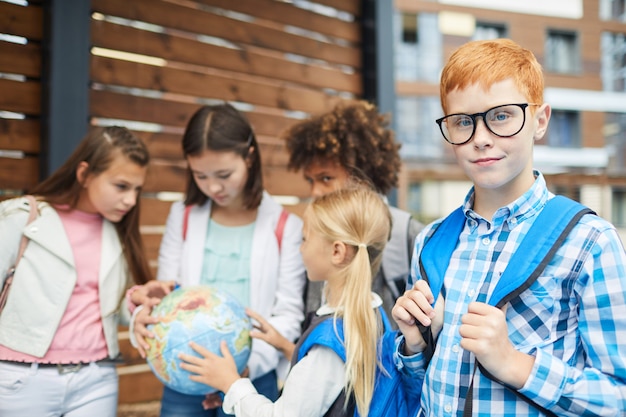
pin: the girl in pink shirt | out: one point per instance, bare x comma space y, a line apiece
58, 329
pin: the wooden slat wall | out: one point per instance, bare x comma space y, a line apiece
275, 61
20, 100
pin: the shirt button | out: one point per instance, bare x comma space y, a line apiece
470, 293
514, 220
447, 408
455, 348
486, 241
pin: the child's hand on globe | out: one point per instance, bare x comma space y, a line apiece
151, 292
266, 332
140, 329
219, 372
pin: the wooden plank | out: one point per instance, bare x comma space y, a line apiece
193, 20
287, 14
20, 59
217, 84
280, 181
23, 135
273, 154
268, 124
153, 211
138, 387
26, 21
20, 97
189, 51
162, 145
123, 106
351, 6
151, 244
108, 104
164, 176
19, 174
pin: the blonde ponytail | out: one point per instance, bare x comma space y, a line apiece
360, 218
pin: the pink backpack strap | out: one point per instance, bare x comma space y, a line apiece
4, 293
31, 216
280, 227
186, 220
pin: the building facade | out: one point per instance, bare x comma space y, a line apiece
582, 48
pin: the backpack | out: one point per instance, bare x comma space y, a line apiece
280, 226
394, 394
546, 235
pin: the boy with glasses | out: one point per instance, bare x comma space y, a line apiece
558, 347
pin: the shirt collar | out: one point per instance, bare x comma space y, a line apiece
326, 309
527, 205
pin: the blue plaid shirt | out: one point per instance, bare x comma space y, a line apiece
572, 319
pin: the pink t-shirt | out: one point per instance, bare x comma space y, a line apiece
79, 337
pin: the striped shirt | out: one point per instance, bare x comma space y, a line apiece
572, 319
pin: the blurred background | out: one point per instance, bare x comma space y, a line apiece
149, 64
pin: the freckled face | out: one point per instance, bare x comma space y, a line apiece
221, 176
113, 192
325, 177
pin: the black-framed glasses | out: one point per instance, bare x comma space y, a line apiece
504, 121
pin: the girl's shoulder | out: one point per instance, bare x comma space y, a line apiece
19, 205
271, 207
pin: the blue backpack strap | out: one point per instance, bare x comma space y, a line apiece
437, 251
546, 235
329, 333
324, 334
543, 239
433, 262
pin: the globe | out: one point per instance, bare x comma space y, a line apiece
201, 314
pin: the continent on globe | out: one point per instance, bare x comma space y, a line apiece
201, 314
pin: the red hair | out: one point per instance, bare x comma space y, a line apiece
489, 62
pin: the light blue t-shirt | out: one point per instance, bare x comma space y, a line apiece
227, 253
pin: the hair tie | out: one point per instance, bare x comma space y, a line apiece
362, 245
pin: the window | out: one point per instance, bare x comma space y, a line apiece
615, 139
613, 47
618, 208
414, 198
564, 129
562, 52
571, 191
485, 31
416, 128
409, 28
418, 46
613, 10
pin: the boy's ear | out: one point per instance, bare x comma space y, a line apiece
81, 172
340, 253
542, 116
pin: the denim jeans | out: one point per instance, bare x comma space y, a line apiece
176, 404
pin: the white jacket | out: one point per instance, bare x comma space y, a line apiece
46, 276
276, 279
